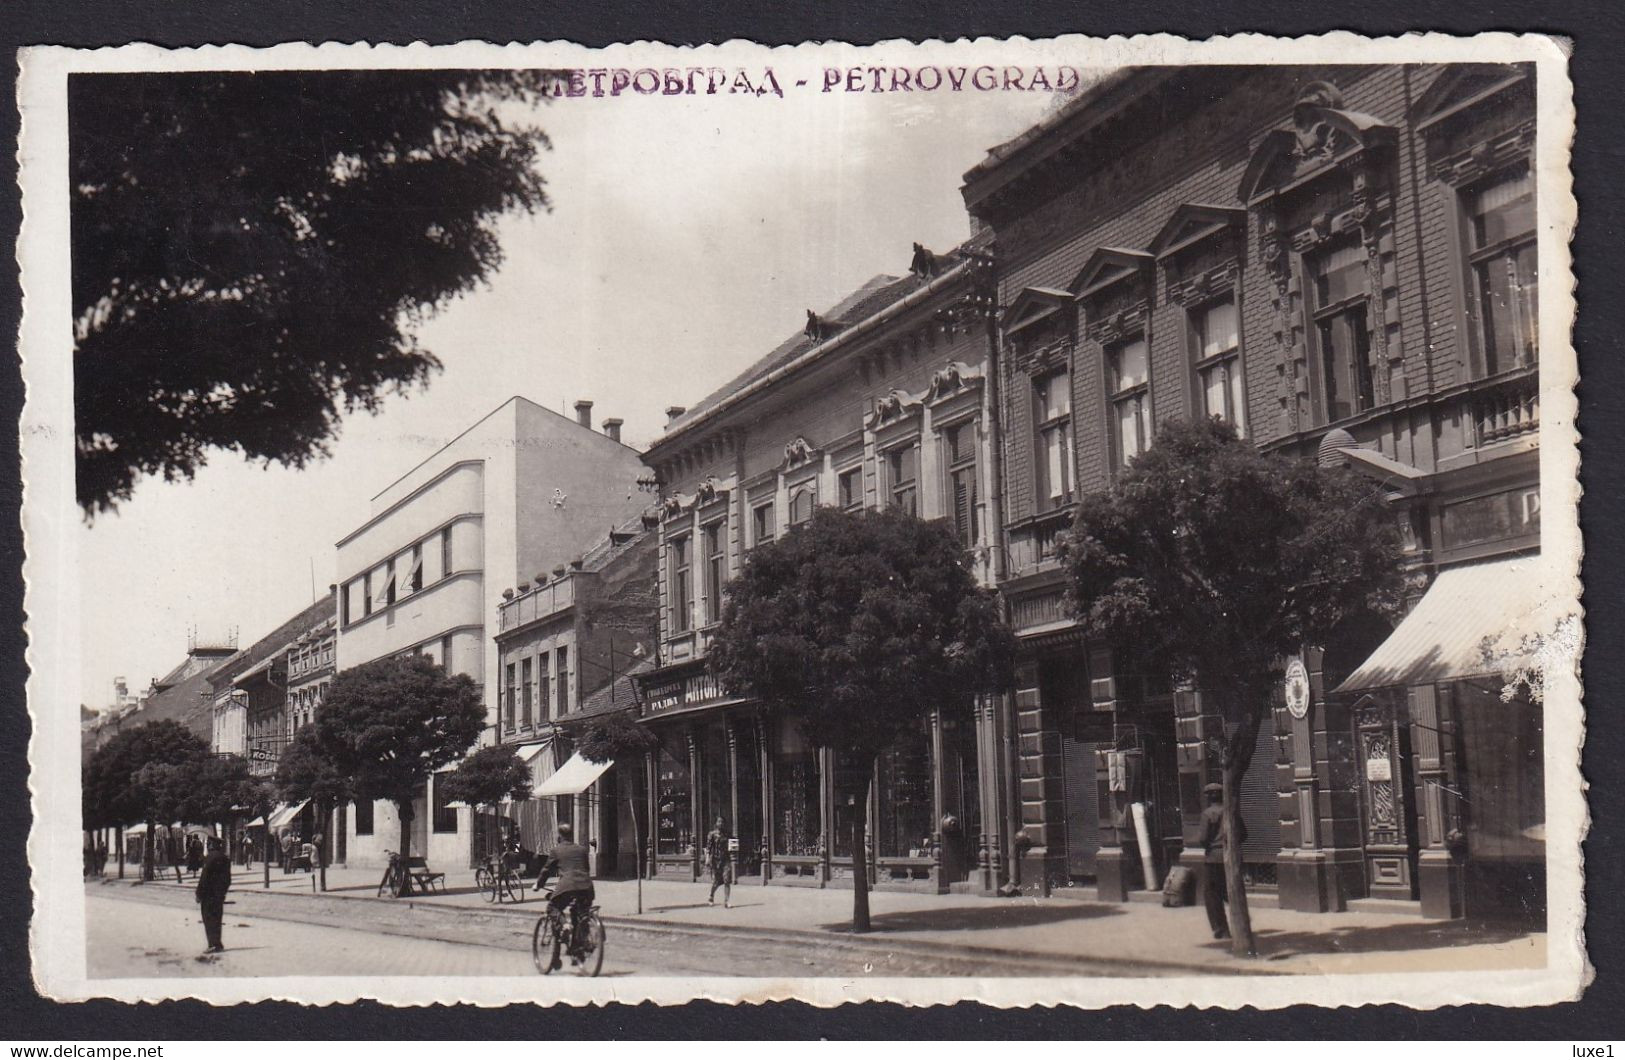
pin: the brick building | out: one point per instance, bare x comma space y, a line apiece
882, 400
1341, 262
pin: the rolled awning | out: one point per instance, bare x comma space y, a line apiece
574, 777
1477, 620
287, 812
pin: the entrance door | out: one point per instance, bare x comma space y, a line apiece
748, 800
1383, 758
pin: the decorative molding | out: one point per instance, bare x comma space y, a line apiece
1194, 223
1323, 137
798, 451
1486, 157
1106, 268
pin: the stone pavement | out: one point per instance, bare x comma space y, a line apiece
1135, 935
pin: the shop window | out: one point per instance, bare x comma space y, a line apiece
682, 592
796, 786
363, 817
959, 449
1215, 350
851, 779
445, 817
525, 683
849, 488
1052, 419
1497, 517
1128, 375
803, 498
674, 826
903, 798
902, 479
1501, 256
761, 520
716, 567
1503, 751
563, 654
1342, 329
508, 695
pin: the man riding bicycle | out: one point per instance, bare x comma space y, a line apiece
575, 891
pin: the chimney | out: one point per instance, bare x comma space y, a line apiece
584, 413
612, 427
672, 412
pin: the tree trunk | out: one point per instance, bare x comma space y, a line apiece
325, 826
118, 836
1237, 757
860, 858
403, 809
147, 853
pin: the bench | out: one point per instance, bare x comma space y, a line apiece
423, 876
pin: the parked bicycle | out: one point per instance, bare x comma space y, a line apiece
556, 934
391, 883
499, 880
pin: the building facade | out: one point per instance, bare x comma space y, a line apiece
563, 642
885, 400
1340, 262
521, 491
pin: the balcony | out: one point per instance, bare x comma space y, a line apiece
1033, 542
539, 603
1506, 409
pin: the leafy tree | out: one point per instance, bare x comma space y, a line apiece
619, 736
389, 723
1212, 562
858, 626
308, 769
112, 775
252, 250
486, 777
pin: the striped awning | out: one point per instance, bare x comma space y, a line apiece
1477, 620
287, 812
573, 777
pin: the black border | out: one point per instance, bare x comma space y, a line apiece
1595, 29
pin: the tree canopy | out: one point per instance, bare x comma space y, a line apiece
611, 736
111, 774
488, 776
387, 724
251, 251
308, 769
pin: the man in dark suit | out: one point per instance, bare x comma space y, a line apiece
1214, 891
212, 884
571, 862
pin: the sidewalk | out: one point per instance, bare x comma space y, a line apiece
1134, 934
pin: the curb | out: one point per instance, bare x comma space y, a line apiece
1022, 961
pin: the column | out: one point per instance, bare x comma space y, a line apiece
1042, 811
694, 833
733, 790
938, 809
826, 812
1441, 876
766, 758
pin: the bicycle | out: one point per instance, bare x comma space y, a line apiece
586, 946
391, 883
497, 880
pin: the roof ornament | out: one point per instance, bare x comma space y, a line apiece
1309, 121
818, 329
925, 264
797, 451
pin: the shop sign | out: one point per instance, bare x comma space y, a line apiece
1297, 689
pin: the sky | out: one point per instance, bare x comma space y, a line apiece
687, 237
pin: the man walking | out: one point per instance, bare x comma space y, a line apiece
212, 884
716, 855
1214, 892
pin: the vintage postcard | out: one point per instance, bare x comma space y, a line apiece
1043, 522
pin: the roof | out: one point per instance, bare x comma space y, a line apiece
273, 642
607, 551
621, 694
190, 703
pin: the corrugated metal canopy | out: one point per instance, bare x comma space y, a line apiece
1499, 606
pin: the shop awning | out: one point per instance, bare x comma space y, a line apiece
136, 829
286, 812
528, 753
574, 777
1474, 621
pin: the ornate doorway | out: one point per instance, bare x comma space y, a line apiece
1382, 756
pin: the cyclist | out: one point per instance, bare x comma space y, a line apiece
569, 859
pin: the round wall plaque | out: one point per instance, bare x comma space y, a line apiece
1297, 689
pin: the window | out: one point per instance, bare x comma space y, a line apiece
761, 518
445, 653
363, 817
366, 593
1342, 330
415, 579
849, 488
508, 695
682, 596
716, 559
1052, 418
1129, 380
902, 479
525, 685
389, 582
445, 552
544, 689
344, 604
803, 498
1502, 257
564, 678
959, 446
1215, 348
445, 817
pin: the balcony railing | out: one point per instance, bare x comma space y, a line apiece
1507, 409
538, 603
1033, 542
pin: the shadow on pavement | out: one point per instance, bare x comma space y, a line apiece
1276, 945
990, 918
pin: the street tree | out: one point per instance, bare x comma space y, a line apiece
857, 626
487, 777
252, 252
1213, 562
607, 738
389, 723
113, 768
309, 770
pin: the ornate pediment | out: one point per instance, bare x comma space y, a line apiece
1322, 134
955, 377
1462, 86
1033, 305
895, 405
1107, 267
1193, 222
